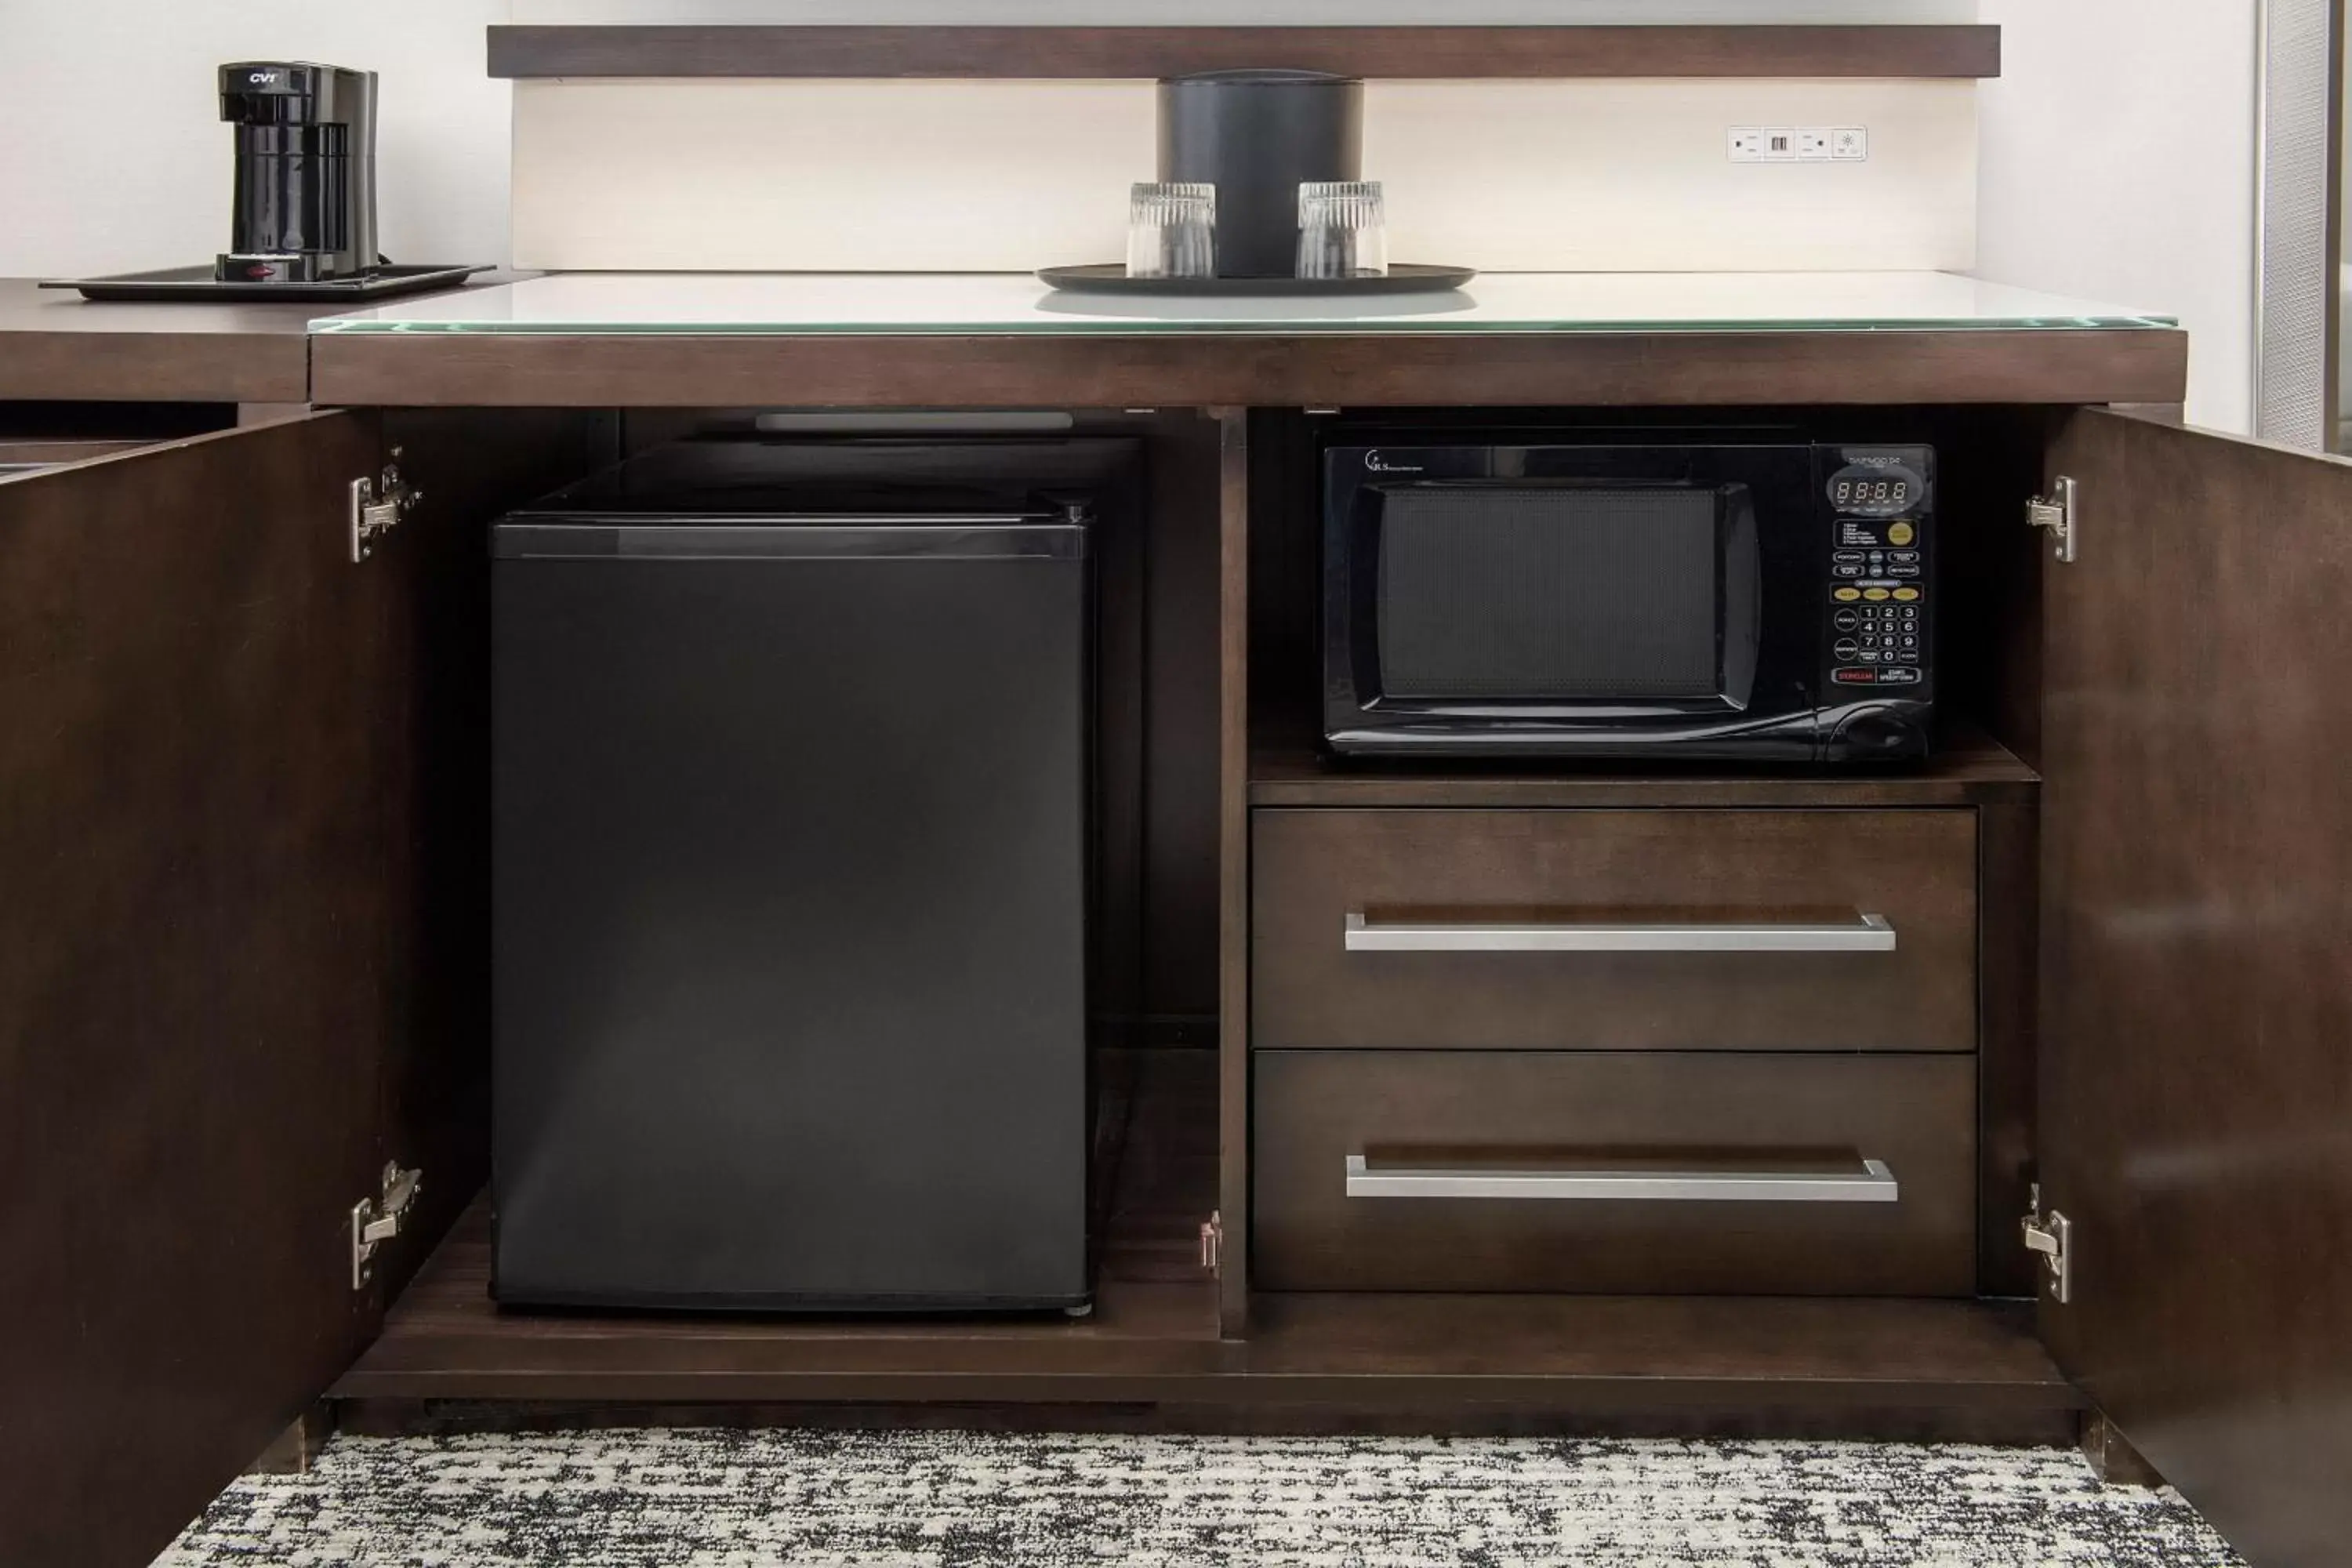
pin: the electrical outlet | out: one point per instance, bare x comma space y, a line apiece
1798, 143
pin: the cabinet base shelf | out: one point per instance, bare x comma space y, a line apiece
1438, 1363
1289, 767
1151, 1358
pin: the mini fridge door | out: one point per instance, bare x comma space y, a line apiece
791, 912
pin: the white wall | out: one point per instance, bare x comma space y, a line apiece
1000, 176
2117, 148
2117, 161
146, 183
113, 155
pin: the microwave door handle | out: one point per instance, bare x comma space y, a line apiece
1864, 933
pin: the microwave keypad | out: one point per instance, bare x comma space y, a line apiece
1878, 622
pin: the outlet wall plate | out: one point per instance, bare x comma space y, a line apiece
1798, 143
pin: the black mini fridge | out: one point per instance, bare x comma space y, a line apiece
791, 882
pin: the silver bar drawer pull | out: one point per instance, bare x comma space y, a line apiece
1874, 1184
1863, 933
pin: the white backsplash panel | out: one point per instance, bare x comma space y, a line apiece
1596, 174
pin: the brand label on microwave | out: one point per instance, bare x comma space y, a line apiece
1377, 463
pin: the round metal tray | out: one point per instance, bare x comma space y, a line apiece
1111, 277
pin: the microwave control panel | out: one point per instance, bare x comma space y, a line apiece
1879, 502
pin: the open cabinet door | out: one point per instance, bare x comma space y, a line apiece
197, 798
2196, 1112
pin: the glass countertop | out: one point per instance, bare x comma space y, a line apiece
964, 303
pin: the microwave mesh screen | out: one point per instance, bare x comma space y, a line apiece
1569, 593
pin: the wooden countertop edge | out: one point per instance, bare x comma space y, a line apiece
1426, 52
1171, 370
162, 365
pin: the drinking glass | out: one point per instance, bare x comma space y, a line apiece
1342, 229
1171, 230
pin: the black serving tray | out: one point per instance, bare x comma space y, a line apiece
195, 283
1111, 277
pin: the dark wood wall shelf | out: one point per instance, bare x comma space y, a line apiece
1425, 52
1287, 768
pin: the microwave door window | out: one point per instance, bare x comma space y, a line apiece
1572, 595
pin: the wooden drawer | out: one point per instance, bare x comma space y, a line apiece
1510, 1171
1752, 920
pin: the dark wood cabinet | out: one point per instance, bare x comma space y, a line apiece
241, 833
2196, 1030
228, 997
200, 808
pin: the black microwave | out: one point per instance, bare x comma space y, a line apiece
1765, 602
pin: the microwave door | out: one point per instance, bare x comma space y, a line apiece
1597, 601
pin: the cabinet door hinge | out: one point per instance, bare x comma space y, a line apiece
377, 1220
2056, 512
377, 506
2050, 1234
1212, 1242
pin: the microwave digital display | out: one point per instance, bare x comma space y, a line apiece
1875, 492
1871, 495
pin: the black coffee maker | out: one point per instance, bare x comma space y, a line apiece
305, 172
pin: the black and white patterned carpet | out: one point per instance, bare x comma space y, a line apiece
718, 1499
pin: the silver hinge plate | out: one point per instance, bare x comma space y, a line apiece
377, 1220
2056, 512
377, 506
1212, 1242
2051, 1235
